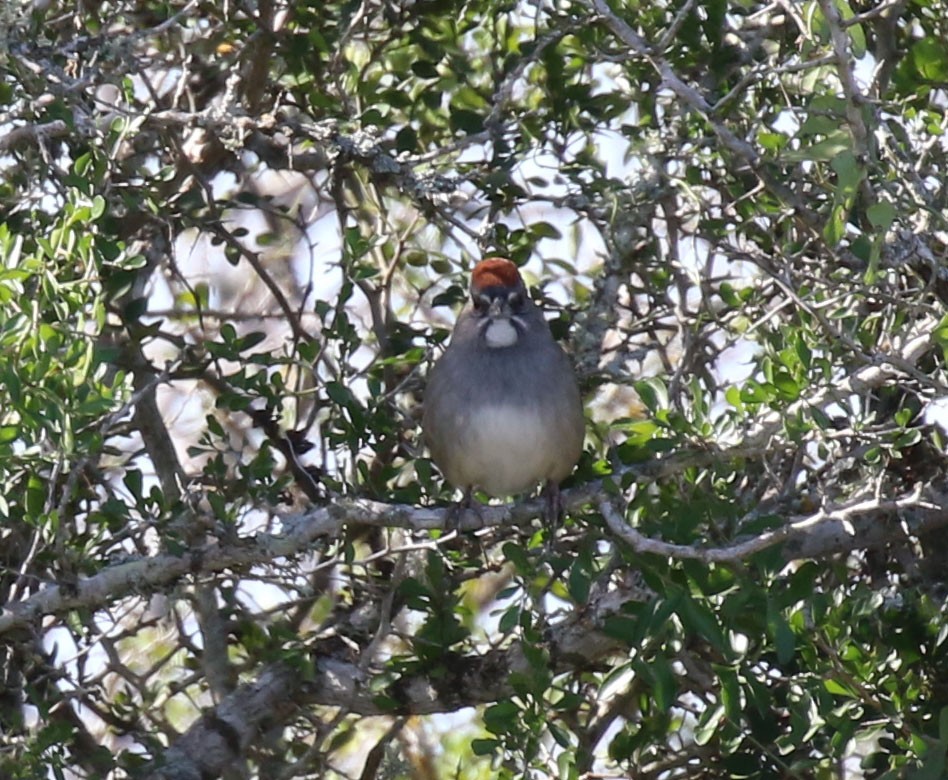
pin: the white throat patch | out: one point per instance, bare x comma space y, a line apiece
500, 333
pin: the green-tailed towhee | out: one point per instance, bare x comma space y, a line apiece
502, 408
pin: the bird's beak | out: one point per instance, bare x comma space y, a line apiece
497, 309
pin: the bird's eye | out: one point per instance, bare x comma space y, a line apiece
481, 302
515, 300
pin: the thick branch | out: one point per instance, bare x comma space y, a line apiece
813, 536
221, 737
32, 134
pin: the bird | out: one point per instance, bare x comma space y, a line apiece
502, 407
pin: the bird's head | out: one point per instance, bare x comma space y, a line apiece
500, 301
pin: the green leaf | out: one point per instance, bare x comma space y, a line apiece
837, 143
653, 393
708, 724
35, 497
784, 639
509, 620
770, 141
940, 336
698, 619
664, 684
930, 58
98, 207
579, 582
933, 762
733, 396
839, 688
544, 230
559, 735
502, 717
881, 215
856, 34
465, 120
250, 340
485, 747
849, 171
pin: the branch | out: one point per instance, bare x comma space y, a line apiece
300, 532
823, 534
855, 100
276, 142
695, 101
826, 532
816, 536
690, 96
33, 134
832, 530
222, 736
882, 367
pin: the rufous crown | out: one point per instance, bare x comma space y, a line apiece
495, 272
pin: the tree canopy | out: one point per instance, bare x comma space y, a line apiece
234, 237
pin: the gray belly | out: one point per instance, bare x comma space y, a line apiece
506, 450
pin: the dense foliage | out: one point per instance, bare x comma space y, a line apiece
234, 237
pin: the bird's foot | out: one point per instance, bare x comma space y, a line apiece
456, 513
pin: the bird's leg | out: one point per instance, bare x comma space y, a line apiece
553, 512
